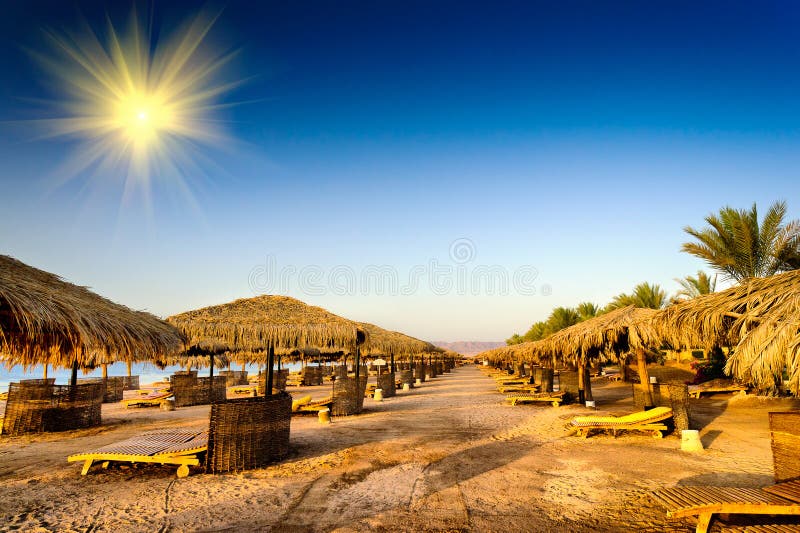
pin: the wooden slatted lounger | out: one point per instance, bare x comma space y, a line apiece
705, 502
555, 398
527, 387
716, 385
242, 389
641, 420
166, 447
153, 399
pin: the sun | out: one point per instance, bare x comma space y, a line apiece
143, 106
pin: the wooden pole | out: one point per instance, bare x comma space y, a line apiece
587, 383
270, 362
73, 381
129, 368
211, 379
581, 377
45, 370
644, 378
105, 370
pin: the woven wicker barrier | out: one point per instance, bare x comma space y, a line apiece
785, 435
568, 381
672, 395
114, 387
386, 382
42, 406
279, 378
247, 433
130, 382
406, 377
419, 372
522, 371
340, 371
347, 399
234, 377
189, 390
312, 375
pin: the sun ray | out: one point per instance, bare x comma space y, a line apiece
141, 105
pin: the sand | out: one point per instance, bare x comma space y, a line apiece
448, 456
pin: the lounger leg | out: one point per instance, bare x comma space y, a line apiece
86, 466
703, 521
183, 471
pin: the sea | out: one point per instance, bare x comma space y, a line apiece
148, 373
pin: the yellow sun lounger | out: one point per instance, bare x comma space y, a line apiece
316, 407
167, 447
298, 403
153, 399
705, 502
554, 398
526, 387
641, 421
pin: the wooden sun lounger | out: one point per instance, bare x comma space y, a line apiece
316, 407
640, 421
526, 387
153, 399
715, 386
705, 502
555, 398
242, 389
166, 447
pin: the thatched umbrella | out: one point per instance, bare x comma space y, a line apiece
267, 323
605, 336
391, 343
760, 317
46, 320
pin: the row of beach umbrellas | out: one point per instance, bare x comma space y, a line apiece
45, 320
759, 319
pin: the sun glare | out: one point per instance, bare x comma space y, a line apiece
140, 102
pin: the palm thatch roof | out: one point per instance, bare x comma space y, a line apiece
253, 324
46, 320
604, 336
386, 342
619, 331
760, 317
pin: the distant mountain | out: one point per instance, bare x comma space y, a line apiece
468, 347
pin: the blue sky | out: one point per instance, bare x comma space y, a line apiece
577, 138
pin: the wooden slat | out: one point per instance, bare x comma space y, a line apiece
789, 490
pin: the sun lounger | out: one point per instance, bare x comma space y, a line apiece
554, 398
167, 447
705, 502
152, 399
242, 389
525, 387
639, 421
316, 407
296, 404
715, 385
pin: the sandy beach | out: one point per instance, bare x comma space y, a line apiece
447, 456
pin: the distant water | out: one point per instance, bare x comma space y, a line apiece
147, 372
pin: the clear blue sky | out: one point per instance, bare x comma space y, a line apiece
575, 137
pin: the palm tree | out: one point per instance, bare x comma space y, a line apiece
562, 317
647, 295
736, 244
692, 287
587, 310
